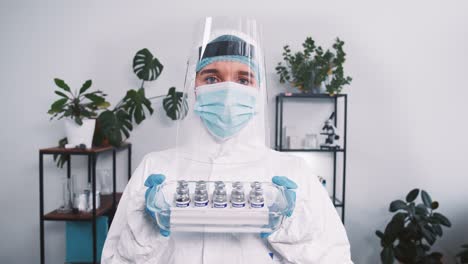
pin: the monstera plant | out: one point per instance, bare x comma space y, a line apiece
114, 125
412, 231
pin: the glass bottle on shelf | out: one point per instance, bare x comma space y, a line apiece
104, 181
67, 195
310, 141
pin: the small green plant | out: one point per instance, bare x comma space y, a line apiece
78, 104
412, 231
463, 255
308, 69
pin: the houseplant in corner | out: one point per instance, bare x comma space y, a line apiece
80, 109
314, 68
412, 231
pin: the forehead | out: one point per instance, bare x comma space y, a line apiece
228, 67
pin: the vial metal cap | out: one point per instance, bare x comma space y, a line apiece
219, 184
256, 184
201, 183
237, 184
182, 190
182, 183
219, 191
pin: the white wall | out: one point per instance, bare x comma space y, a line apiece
407, 124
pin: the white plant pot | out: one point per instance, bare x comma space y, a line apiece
77, 134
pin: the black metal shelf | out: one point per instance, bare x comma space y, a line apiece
337, 202
310, 150
335, 99
310, 95
108, 202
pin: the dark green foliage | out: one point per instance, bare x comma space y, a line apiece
463, 255
61, 159
145, 66
113, 126
309, 68
116, 124
412, 231
412, 195
77, 105
397, 205
135, 103
175, 104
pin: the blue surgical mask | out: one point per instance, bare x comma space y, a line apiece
225, 108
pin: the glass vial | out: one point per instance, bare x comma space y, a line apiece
200, 198
219, 196
67, 196
237, 195
182, 196
256, 198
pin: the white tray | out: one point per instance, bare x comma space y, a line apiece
219, 220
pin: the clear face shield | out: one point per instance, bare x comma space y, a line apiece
225, 90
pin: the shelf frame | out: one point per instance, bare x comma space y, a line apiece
280, 99
92, 155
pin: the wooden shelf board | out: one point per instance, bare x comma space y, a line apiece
106, 206
78, 151
312, 150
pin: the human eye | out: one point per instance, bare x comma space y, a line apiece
211, 80
245, 81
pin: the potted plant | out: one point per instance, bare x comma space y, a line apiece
463, 255
79, 108
412, 231
313, 69
113, 125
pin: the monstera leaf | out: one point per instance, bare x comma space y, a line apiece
113, 124
175, 104
135, 103
145, 66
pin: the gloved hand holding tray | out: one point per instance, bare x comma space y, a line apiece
199, 206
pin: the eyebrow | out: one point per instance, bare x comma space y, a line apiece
250, 74
207, 71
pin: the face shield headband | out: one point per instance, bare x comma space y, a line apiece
228, 48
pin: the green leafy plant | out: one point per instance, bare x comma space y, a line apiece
412, 231
308, 69
175, 104
116, 124
113, 125
78, 104
463, 255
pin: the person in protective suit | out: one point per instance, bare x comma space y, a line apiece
223, 138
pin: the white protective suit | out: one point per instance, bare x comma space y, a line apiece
313, 234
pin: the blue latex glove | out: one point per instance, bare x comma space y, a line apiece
152, 182
289, 187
